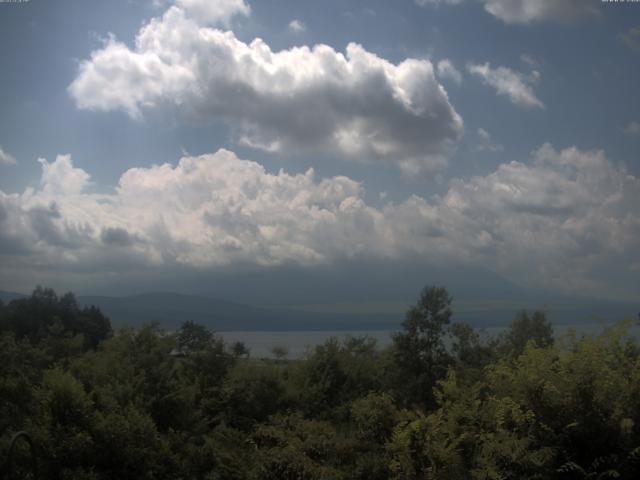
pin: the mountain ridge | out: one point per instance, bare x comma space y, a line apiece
171, 309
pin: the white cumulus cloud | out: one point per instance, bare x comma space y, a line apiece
557, 220
61, 177
354, 104
517, 87
563, 217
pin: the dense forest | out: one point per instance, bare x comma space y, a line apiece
442, 402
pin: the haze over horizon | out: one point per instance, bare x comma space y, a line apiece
329, 151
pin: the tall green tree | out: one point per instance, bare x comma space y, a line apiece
526, 328
419, 350
37, 316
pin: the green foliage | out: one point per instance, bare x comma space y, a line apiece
291, 447
419, 350
128, 445
526, 328
44, 314
239, 349
336, 373
62, 423
153, 404
374, 416
21, 367
193, 337
423, 448
252, 392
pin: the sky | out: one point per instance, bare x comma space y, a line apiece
158, 143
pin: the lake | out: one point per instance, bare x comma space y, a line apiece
298, 342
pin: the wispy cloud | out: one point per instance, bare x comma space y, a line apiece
446, 70
528, 11
517, 87
631, 38
529, 60
633, 128
485, 142
6, 158
297, 26
436, 3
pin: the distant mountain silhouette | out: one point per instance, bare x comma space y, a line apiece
367, 296
6, 297
363, 281
172, 309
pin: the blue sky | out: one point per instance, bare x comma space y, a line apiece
498, 134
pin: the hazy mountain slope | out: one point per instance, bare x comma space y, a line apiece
6, 297
172, 309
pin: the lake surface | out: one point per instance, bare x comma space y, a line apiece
298, 342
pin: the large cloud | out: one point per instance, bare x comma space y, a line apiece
355, 104
559, 220
206, 211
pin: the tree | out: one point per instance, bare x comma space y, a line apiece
44, 312
419, 350
240, 349
252, 392
525, 328
279, 352
374, 416
193, 337
470, 353
291, 447
323, 377
94, 326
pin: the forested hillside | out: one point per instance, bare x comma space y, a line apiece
439, 403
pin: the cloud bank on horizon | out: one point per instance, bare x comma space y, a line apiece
559, 218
